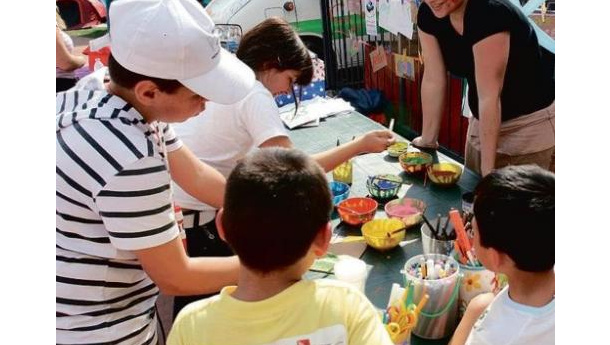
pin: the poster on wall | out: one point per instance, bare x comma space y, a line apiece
370, 11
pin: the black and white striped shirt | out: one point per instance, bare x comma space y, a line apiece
112, 197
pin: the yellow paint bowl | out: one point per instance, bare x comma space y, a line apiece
398, 148
444, 174
376, 232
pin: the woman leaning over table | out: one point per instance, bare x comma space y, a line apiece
510, 77
223, 134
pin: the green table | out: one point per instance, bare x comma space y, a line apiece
386, 266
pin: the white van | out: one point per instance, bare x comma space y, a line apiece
304, 15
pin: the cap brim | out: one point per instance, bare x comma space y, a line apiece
230, 81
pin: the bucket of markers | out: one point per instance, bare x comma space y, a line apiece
438, 276
475, 281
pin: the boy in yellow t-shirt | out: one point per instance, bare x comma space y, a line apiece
276, 219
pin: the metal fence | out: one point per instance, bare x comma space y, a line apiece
346, 54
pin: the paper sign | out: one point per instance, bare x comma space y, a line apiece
384, 16
370, 10
404, 66
378, 59
400, 13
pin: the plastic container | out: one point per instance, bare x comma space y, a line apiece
343, 172
438, 318
339, 190
475, 281
351, 270
432, 245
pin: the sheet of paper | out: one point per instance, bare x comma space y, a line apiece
400, 17
370, 11
404, 66
378, 59
384, 16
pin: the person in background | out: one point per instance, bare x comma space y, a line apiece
510, 77
66, 59
224, 134
514, 234
117, 238
276, 218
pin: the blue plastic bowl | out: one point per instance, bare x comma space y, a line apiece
339, 190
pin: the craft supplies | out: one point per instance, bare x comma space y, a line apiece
438, 317
406, 209
440, 242
383, 234
356, 211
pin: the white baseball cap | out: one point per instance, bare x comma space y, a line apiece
173, 39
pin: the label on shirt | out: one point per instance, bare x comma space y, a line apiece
333, 335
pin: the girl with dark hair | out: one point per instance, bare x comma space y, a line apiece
226, 133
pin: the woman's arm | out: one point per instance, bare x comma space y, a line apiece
63, 58
433, 90
373, 141
490, 59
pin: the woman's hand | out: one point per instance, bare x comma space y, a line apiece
376, 141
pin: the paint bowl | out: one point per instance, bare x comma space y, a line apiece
376, 232
356, 211
406, 209
383, 186
398, 148
415, 162
444, 174
339, 190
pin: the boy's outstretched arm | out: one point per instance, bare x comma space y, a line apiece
475, 309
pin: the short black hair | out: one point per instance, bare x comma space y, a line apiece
273, 43
515, 211
128, 79
276, 201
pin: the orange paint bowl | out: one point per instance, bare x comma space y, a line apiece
444, 174
406, 209
415, 162
356, 211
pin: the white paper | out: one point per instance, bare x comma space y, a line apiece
370, 10
384, 16
400, 17
312, 110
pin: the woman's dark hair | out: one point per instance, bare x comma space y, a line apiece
515, 212
274, 44
128, 79
276, 201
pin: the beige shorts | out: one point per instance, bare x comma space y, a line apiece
528, 139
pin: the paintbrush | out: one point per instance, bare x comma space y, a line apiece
390, 233
432, 229
391, 126
438, 225
444, 231
347, 209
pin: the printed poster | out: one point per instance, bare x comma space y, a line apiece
378, 59
370, 11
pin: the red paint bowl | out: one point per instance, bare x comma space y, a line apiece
356, 211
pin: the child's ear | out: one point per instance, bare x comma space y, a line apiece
322, 240
145, 92
218, 220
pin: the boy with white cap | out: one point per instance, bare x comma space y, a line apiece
117, 239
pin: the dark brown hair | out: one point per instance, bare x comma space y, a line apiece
274, 44
128, 79
276, 201
515, 212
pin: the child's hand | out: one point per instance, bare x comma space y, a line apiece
376, 141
